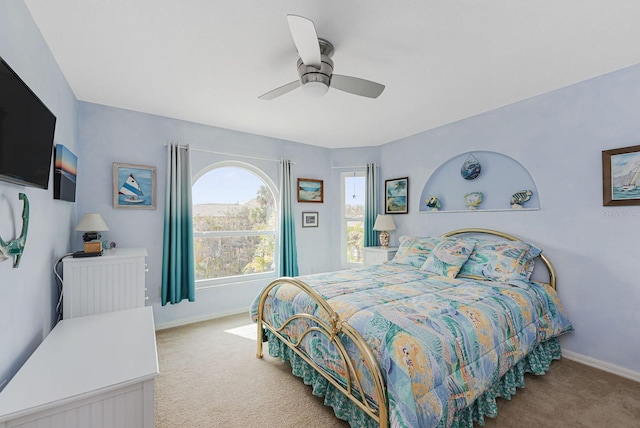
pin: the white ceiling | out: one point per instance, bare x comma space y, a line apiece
207, 61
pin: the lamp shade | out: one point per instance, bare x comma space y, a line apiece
92, 222
384, 223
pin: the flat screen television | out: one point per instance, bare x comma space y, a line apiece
26, 133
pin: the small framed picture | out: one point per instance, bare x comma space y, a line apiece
310, 219
396, 193
134, 186
310, 190
64, 174
621, 176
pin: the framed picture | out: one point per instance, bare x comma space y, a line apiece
310, 190
310, 219
134, 186
396, 193
621, 176
64, 174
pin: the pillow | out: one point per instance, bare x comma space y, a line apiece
511, 262
447, 257
414, 250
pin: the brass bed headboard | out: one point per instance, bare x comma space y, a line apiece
542, 257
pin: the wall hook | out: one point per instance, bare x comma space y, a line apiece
15, 247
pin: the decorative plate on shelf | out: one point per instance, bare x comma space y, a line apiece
471, 168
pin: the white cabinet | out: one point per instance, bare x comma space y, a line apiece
377, 255
89, 372
112, 282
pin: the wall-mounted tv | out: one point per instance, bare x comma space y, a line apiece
26, 133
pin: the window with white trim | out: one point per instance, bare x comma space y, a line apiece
234, 224
353, 186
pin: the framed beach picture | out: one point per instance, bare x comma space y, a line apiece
134, 186
621, 176
396, 196
310, 190
64, 174
310, 219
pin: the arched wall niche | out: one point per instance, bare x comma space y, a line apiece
500, 177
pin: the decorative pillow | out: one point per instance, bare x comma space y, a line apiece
511, 262
447, 257
415, 250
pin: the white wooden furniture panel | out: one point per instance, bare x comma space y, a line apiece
89, 372
111, 282
377, 255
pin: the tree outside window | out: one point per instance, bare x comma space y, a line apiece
353, 191
234, 224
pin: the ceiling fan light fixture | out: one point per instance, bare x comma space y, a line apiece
315, 67
315, 89
315, 82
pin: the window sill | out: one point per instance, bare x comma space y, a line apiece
234, 280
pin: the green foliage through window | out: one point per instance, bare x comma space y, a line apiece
232, 239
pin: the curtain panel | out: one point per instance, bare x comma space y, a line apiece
371, 206
178, 269
288, 250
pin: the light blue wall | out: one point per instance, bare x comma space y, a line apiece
27, 307
113, 135
558, 138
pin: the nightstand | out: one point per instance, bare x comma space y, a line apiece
377, 255
113, 281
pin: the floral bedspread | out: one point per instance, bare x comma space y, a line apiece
440, 342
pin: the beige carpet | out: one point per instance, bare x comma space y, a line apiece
209, 377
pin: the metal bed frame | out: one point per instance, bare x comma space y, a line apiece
329, 324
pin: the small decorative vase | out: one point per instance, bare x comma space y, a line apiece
384, 239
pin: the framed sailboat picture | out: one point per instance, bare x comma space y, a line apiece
134, 186
621, 176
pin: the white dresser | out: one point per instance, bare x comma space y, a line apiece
89, 372
111, 282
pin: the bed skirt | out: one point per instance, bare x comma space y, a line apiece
537, 362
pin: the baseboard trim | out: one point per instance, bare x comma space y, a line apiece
602, 365
208, 317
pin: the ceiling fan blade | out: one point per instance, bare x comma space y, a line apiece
357, 86
280, 91
306, 40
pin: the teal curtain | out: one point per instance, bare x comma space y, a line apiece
288, 251
178, 269
371, 206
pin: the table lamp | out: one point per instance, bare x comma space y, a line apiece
383, 224
91, 224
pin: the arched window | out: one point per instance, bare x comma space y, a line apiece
234, 223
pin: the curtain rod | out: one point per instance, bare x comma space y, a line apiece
351, 167
227, 154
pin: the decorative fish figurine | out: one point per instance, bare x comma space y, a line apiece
519, 198
473, 199
471, 168
433, 203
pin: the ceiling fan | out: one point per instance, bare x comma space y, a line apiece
315, 66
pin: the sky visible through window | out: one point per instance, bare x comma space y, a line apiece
229, 185
354, 186
235, 185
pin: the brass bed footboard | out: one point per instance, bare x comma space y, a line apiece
328, 323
